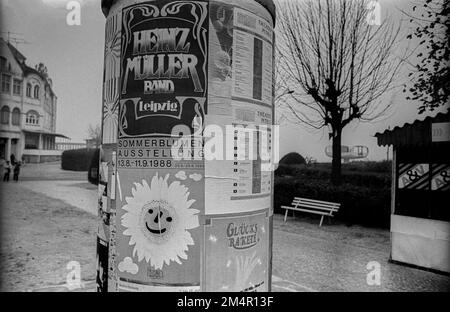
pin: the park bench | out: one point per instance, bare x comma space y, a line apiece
324, 208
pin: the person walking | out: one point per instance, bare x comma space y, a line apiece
7, 170
17, 171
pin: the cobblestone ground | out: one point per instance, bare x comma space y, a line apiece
48, 219
338, 258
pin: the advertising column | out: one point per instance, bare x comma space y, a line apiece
175, 218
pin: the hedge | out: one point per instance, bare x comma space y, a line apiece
357, 177
77, 159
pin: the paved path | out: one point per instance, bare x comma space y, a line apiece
50, 172
305, 257
318, 259
82, 195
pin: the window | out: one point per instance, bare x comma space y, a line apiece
3, 66
6, 83
32, 118
31, 141
29, 89
49, 143
36, 92
16, 117
4, 115
17, 87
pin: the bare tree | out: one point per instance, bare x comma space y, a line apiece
281, 93
337, 62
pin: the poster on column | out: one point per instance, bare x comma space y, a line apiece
240, 96
107, 169
239, 246
106, 213
160, 162
111, 78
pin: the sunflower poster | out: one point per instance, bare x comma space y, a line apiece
159, 222
160, 195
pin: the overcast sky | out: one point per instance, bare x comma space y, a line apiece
74, 58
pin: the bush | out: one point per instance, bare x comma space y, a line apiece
369, 166
360, 178
77, 160
292, 159
359, 204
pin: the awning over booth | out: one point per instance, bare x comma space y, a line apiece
417, 133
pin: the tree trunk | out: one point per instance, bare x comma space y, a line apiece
337, 156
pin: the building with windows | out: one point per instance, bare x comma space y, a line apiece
27, 109
65, 144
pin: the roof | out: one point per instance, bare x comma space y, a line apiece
417, 133
20, 58
46, 133
268, 4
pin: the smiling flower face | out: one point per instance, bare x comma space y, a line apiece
157, 219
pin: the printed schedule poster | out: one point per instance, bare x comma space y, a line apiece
240, 95
163, 95
244, 183
241, 56
239, 247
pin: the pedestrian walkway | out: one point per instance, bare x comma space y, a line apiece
49, 172
340, 258
82, 195
51, 222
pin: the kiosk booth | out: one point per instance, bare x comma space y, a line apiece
420, 216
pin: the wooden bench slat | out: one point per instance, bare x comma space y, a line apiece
316, 201
319, 205
326, 211
315, 205
311, 211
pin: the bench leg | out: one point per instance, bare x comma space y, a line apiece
321, 220
285, 215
